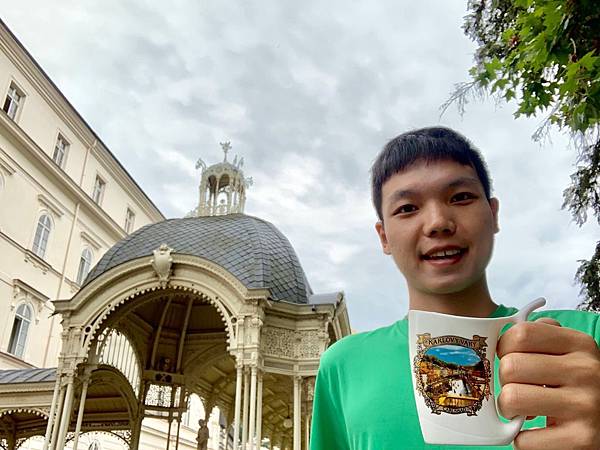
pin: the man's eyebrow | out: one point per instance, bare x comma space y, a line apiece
463, 181
401, 194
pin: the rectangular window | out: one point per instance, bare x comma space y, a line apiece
60, 151
129, 220
14, 99
99, 186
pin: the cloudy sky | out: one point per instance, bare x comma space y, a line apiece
307, 92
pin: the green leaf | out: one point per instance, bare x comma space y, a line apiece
588, 60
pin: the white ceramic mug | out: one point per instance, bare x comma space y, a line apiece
452, 368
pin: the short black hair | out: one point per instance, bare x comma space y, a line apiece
425, 144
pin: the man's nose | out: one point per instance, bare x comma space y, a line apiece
438, 221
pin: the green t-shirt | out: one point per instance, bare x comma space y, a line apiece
364, 397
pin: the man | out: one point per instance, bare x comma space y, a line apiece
437, 219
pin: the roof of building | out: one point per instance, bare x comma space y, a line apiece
27, 375
251, 249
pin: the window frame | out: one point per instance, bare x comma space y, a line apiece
97, 198
36, 247
82, 270
18, 338
14, 114
63, 160
129, 220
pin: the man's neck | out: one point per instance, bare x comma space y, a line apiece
474, 301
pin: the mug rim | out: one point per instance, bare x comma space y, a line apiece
434, 313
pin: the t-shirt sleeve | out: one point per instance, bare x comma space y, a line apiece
328, 431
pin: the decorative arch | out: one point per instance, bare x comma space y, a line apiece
116, 350
116, 434
98, 300
94, 327
113, 377
29, 423
34, 411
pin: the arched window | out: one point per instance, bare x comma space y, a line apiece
18, 336
85, 264
42, 233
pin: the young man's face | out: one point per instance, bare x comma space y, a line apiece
438, 226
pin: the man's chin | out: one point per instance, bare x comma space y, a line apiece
449, 287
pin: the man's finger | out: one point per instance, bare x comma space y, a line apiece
533, 368
541, 337
531, 400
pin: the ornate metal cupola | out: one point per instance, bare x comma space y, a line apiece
222, 186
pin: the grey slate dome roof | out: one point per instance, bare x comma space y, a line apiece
253, 250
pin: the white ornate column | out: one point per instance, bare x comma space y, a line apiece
297, 413
307, 431
66, 413
59, 408
238, 405
136, 431
259, 395
309, 383
245, 408
52, 413
84, 388
252, 419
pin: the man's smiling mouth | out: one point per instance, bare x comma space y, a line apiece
451, 254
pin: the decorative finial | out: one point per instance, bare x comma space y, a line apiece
222, 186
200, 164
226, 146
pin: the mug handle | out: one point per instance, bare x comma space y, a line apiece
513, 427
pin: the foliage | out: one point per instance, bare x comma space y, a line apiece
545, 55
587, 274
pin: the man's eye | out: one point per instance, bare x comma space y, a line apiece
405, 209
463, 196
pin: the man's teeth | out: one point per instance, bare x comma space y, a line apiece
444, 253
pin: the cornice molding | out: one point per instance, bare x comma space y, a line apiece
8, 168
51, 205
30, 256
17, 361
37, 262
21, 285
91, 240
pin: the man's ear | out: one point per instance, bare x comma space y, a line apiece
382, 237
495, 206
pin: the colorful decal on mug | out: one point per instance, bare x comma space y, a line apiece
452, 373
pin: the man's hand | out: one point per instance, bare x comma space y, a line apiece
547, 370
